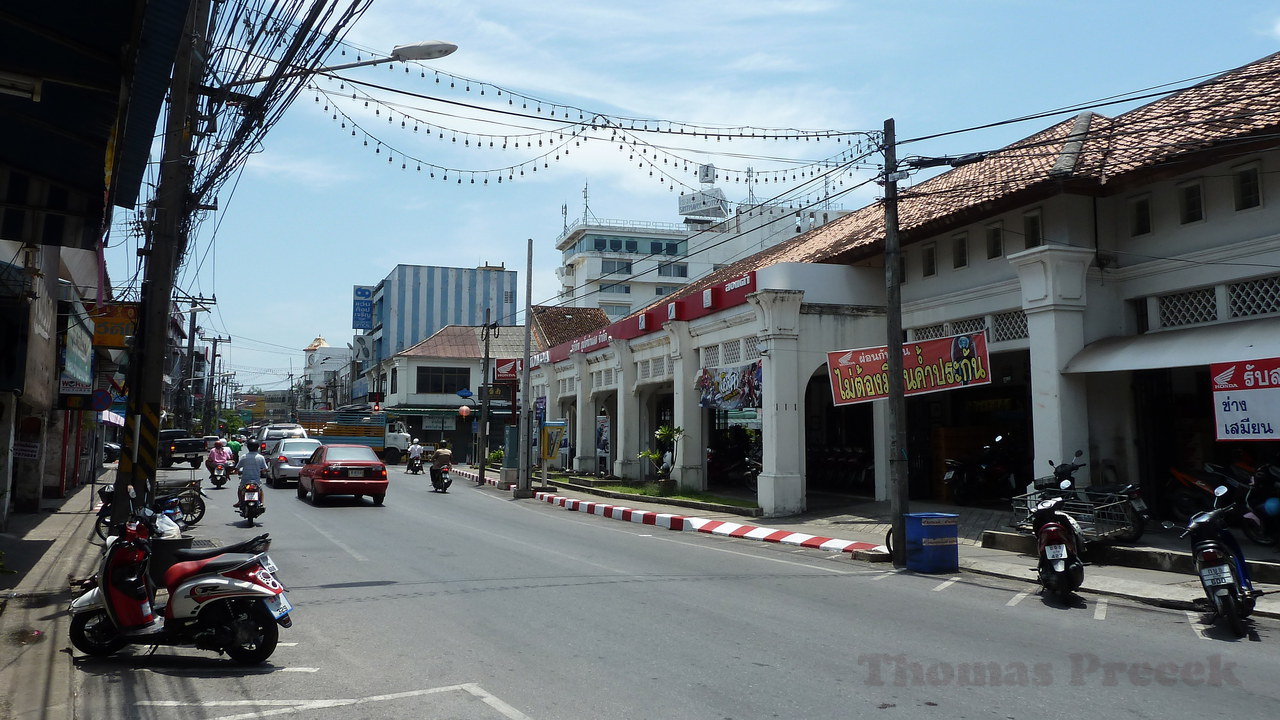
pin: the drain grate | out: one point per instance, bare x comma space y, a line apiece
205, 543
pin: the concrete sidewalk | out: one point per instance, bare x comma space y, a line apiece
853, 527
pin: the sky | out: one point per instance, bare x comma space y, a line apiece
317, 210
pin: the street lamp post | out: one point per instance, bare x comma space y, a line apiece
426, 50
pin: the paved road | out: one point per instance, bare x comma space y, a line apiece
473, 605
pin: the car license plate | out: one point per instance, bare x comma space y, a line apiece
251, 497
1217, 575
355, 472
278, 605
948, 475
1139, 504
1055, 552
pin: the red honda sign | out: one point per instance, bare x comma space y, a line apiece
507, 369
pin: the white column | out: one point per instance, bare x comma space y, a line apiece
627, 418
1053, 297
689, 415
584, 431
781, 482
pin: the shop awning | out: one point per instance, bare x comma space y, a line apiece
420, 410
1225, 342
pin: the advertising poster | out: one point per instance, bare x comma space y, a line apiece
730, 388
1246, 399
928, 366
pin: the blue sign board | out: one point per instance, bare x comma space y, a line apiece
362, 307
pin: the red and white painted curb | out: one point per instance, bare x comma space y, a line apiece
694, 524
703, 525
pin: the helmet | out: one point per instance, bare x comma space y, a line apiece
415, 441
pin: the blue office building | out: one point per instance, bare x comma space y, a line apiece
415, 301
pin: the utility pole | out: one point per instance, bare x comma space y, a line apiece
167, 240
211, 386
899, 495
484, 393
524, 483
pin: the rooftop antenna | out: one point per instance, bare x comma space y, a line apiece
751, 190
586, 202
564, 215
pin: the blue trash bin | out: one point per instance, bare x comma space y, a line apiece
932, 542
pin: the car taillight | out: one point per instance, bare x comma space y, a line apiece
1210, 556
282, 459
383, 471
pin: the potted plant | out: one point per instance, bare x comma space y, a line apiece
666, 437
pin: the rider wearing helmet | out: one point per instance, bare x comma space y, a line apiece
252, 467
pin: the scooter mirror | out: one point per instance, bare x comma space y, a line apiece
999, 438
1220, 491
1065, 484
1167, 525
1079, 453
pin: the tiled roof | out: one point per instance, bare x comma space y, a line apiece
556, 325
465, 342
1089, 153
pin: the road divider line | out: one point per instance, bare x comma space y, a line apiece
1100, 609
1017, 598
947, 584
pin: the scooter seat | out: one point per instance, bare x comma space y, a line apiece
186, 554
181, 571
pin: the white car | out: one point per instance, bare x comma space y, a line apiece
288, 457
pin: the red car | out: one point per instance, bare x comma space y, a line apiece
343, 470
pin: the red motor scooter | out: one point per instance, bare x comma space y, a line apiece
1058, 542
225, 599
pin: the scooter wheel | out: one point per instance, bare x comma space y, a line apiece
254, 629
1231, 611
93, 633
102, 526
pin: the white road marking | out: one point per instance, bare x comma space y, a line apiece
299, 669
1100, 609
1197, 627
293, 707
947, 584
882, 576
1017, 598
286, 644
329, 536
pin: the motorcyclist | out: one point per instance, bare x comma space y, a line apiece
252, 467
441, 457
219, 455
235, 447
415, 453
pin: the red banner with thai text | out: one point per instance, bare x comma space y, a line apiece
928, 366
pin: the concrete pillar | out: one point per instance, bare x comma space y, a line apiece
1053, 282
691, 456
584, 429
781, 482
627, 428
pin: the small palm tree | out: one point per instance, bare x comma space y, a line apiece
667, 436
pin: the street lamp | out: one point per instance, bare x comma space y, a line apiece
426, 50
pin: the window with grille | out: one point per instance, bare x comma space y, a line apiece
960, 251
751, 348
1246, 186
1140, 216
929, 332
1187, 308
1010, 325
1190, 203
731, 352
969, 326
995, 240
508, 297
1254, 297
711, 356
615, 266
1032, 232
643, 368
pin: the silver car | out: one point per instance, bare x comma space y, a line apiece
287, 458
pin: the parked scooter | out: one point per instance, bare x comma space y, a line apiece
1122, 503
252, 505
1220, 563
988, 477
414, 466
184, 508
220, 599
440, 478
1058, 544
218, 477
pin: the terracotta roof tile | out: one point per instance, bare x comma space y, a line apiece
555, 324
465, 342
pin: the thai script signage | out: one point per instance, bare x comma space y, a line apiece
1246, 399
927, 366
362, 307
76, 377
730, 388
113, 324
